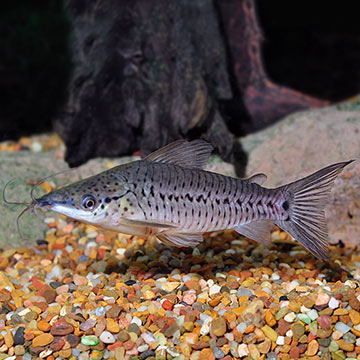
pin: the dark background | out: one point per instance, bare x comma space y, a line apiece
315, 50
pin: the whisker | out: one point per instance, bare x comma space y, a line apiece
18, 220
11, 202
44, 179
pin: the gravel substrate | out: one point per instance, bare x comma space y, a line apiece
84, 293
88, 294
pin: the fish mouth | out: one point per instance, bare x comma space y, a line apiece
48, 203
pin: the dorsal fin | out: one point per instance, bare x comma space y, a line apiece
193, 154
257, 178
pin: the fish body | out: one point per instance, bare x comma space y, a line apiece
167, 194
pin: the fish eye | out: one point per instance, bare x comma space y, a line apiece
88, 202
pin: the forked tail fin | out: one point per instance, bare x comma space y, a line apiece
307, 198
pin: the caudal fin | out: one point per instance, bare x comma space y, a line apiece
307, 199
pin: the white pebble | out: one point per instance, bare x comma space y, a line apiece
290, 317
289, 333
241, 327
280, 340
143, 348
333, 303
36, 146
313, 314
304, 309
107, 337
292, 285
214, 289
341, 327
243, 350
275, 276
136, 321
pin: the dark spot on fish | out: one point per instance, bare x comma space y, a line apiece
226, 201
170, 197
102, 206
125, 209
288, 218
132, 213
116, 198
107, 200
285, 205
106, 213
162, 196
96, 189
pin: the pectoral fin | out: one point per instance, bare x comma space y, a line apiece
180, 239
257, 230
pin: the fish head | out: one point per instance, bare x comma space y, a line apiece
87, 200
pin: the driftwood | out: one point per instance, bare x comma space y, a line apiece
145, 73
148, 72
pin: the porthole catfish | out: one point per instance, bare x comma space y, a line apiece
167, 194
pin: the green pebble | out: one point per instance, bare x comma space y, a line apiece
338, 355
349, 338
304, 318
281, 313
90, 340
313, 328
161, 339
333, 346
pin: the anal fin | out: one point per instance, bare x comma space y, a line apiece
257, 230
180, 239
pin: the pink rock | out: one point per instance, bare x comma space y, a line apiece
324, 321
189, 298
322, 299
80, 280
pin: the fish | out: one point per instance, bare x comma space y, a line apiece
169, 195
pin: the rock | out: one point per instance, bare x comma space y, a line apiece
134, 328
269, 318
19, 338
42, 340
341, 327
270, 333
43, 325
298, 330
313, 348
312, 140
61, 328
57, 344
90, 340
324, 322
218, 327
107, 337
354, 316
322, 299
